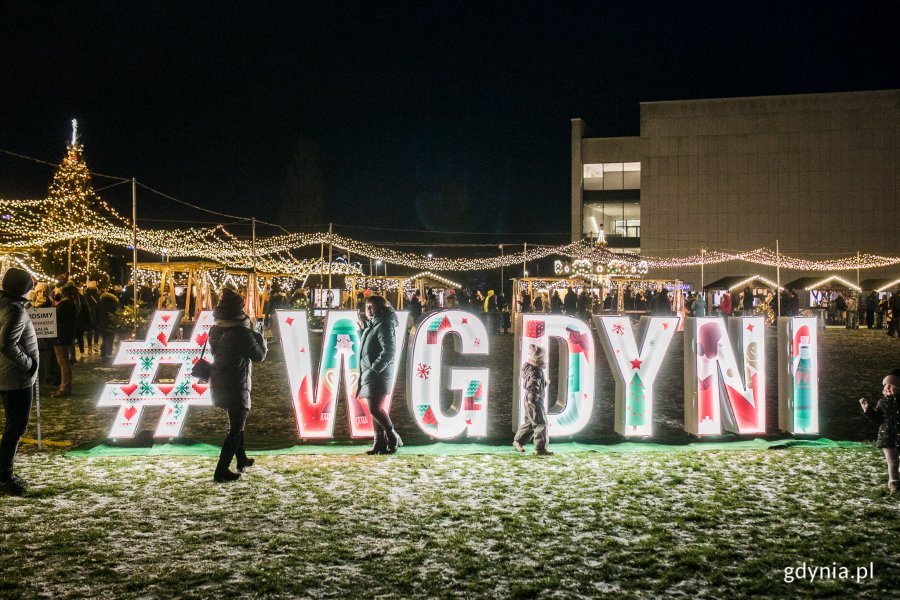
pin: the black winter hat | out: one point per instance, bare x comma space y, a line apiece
17, 282
231, 301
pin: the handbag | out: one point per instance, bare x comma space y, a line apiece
202, 368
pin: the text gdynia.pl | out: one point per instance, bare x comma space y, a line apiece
810, 573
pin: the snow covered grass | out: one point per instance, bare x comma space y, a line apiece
715, 524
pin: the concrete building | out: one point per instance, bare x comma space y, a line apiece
817, 172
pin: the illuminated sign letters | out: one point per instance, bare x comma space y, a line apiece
340, 360
717, 390
142, 390
724, 373
635, 370
577, 361
798, 375
468, 411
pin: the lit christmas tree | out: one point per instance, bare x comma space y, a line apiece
74, 207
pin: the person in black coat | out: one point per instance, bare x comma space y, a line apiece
886, 413
66, 328
104, 316
18, 371
233, 344
377, 349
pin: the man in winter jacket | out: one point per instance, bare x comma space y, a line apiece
107, 305
66, 326
18, 371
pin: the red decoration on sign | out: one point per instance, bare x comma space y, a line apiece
750, 327
423, 371
666, 326
636, 363
130, 412
165, 389
534, 329
165, 318
289, 321
200, 389
163, 339
201, 339
129, 389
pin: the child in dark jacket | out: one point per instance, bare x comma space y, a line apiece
887, 414
535, 384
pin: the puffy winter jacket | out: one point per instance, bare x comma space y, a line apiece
19, 352
534, 382
233, 346
377, 347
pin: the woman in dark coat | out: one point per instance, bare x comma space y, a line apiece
377, 348
233, 345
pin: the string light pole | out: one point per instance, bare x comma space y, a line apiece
778, 276
134, 284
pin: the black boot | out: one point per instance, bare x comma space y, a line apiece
243, 465
225, 476
393, 442
12, 485
380, 445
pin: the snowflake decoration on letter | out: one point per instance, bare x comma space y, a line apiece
618, 328
423, 371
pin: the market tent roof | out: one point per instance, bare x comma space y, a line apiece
733, 281
822, 282
881, 285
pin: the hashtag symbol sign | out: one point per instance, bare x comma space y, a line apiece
142, 388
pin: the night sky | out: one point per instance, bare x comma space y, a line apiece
418, 116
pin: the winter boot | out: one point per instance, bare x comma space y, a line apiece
243, 465
518, 446
12, 485
894, 487
543, 452
225, 476
393, 442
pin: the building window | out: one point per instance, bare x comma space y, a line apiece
618, 218
612, 176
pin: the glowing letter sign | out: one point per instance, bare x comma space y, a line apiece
798, 375
141, 390
635, 370
468, 413
708, 353
576, 368
340, 360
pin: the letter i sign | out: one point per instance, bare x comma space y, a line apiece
142, 388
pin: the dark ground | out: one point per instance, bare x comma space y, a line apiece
852, 364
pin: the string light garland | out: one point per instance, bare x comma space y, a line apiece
73, 212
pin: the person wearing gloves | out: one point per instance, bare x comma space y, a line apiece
377, 348
234, 346
18, 371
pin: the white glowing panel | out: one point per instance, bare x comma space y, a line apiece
142, 390
634, 369
340, 361
798, 374
719, 393
576, 369
468, 412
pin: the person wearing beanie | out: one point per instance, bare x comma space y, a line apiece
18, 371
535, 384
234, 346
886, 413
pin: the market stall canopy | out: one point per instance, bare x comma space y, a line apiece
737, 282
823, 282
880, 285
